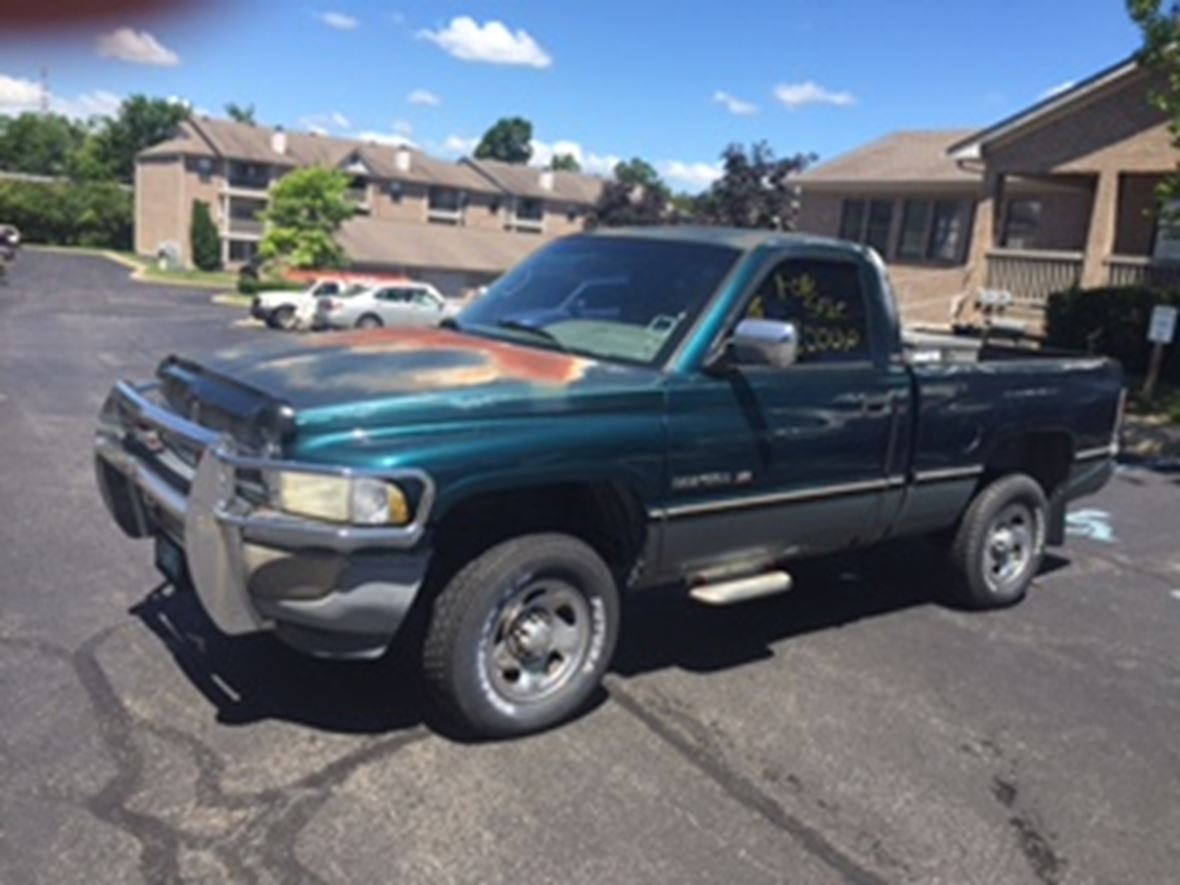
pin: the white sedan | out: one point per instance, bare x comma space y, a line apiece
393, 304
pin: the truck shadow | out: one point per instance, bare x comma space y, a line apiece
252, 678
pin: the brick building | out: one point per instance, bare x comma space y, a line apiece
457, 225
1060, 194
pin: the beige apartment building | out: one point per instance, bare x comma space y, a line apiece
457, 225
1060, 194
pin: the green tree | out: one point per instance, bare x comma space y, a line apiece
1160, 27
84, 214
40, 144
510, 140
755, 189
204, 241
636, 195
565, 163
240, 113
140, 123
307, 207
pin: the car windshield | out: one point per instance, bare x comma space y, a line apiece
619, 298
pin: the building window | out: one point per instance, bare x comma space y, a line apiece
395, 191
204, 169
915, 223
852, 220
445, 205
1021, 224
934, 230
948, 230
529, 210
868, 222
249, 175
242, 250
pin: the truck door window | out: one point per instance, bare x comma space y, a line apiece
825, 300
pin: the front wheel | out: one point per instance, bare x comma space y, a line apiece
369, 321
284, 318
999, 544
520, 638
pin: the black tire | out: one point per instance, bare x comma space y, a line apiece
284, 318
489, 613
369, 321
1000, 542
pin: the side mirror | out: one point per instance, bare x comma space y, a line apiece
764, 343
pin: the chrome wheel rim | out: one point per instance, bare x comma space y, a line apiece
1010, 547
540, 638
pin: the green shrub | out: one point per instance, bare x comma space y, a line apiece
93, 213
1112, 322
204, 240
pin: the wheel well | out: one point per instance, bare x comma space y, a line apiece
1045, 456
606, 515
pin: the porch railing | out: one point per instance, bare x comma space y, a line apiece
239, 225
1139, 270
1032, 276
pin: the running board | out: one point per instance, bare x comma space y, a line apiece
741, 589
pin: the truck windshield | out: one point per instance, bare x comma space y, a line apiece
618, 298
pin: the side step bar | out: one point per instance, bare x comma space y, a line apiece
741, 589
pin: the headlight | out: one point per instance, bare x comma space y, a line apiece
359, 500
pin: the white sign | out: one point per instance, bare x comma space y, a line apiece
1163, 324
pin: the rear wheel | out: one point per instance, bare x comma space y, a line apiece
369, 321
999, 544
520, 638
284, 318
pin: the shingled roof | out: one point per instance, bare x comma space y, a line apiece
902, 157
375, 241
210, 137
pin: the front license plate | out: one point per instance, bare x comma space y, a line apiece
171, 562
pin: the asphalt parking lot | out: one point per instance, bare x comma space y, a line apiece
850, 730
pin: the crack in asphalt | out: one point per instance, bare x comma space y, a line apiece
690, 739
265, 844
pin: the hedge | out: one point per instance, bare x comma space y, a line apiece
1112, 322
93, 213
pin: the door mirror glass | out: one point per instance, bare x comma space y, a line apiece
764, 343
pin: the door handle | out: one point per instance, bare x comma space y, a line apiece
875, 405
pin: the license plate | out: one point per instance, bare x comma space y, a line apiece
171, 562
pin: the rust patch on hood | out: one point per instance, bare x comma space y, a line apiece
502, 360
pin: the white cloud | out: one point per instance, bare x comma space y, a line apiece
18, 95
734, 105
691, 176
403, 127
457, 145
797, 95
138, 47
322, 124
393, 139
338, 20
98, 103
591, 163
1056, 90
493, 43
424, 97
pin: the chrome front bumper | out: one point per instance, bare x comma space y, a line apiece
328, 589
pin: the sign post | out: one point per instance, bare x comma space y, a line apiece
1160, 333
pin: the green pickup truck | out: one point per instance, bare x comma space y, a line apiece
625, 408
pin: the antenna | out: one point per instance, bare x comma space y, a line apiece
44, 89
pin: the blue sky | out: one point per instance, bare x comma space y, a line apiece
672, 82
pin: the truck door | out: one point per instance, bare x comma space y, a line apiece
767, 463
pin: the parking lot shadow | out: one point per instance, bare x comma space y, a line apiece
254, 677
663, 628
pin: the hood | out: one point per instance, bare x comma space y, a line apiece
373, 376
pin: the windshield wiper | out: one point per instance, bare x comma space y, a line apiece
518, 326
